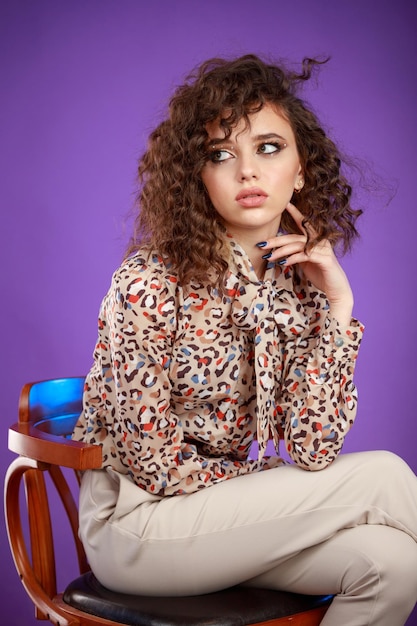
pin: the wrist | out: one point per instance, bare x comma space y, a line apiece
343, 317
342, 312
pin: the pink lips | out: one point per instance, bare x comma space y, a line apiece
253, 197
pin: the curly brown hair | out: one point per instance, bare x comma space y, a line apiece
176, 216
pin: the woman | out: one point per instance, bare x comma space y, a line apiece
229, 323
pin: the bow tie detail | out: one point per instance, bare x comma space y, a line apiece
273, 313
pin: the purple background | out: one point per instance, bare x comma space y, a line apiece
84, 81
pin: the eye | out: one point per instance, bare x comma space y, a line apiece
269, 148
217, 156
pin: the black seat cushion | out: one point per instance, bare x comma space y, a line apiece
237, 606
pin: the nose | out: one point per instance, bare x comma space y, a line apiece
248, 168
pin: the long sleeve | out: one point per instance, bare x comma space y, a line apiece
318, 399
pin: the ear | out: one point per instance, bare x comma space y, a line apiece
299, 183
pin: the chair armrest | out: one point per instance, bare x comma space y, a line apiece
28, 441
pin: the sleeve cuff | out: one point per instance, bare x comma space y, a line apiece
346, 343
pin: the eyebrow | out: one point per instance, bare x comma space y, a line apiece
216, 141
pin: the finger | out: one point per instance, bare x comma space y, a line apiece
286, 250
282, 240
321, 255
293, 259
299, 218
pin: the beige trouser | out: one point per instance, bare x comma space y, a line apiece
348, 530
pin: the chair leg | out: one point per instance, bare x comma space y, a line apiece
30, 581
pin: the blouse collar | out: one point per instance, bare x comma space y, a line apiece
240, 265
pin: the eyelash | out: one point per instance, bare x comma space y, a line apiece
214, 153
275, 144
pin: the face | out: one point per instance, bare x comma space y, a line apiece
250, 177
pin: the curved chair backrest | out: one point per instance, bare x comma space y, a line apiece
52, 405
48, 411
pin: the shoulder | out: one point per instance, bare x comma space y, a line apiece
143, 286
145, 269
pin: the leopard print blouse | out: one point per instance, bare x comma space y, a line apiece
184, 381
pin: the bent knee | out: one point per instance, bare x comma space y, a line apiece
383, 463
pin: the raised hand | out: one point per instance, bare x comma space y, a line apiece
320, 266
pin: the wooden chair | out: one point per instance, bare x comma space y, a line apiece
47, 413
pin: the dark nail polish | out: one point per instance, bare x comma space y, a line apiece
267, 256
282, 262
262, 244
